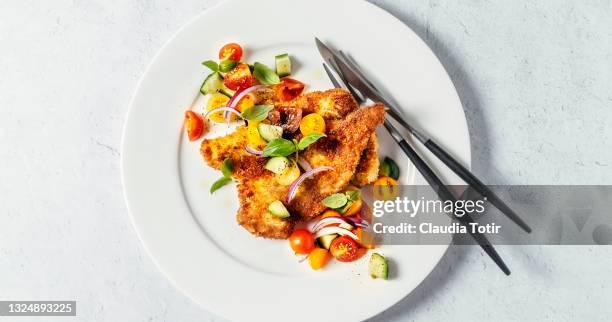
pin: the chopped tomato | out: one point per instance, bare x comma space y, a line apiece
194, 124
318, 257
239, 78
344, 249
385, 188
302, 241
231, 51
312, 122
289, 89
354, 208
330, 213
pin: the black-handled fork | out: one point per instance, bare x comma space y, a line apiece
432, 179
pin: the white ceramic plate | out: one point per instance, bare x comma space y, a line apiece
193, 236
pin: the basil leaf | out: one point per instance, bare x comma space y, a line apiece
265, 75
257, 112
279, 148
309, 139
212, 65
353, 195
227, 168
227, 65
220, 183
336, 200
346, 207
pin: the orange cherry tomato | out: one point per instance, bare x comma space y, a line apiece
302, 241
366, 239
344, 249
330, 213
289, 89
239, 78
317, 258
354, 208
231, 51
245, 103
194, 124
385, 188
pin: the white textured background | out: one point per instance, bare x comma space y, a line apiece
535, 78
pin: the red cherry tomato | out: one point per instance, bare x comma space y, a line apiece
344, 249
239, 78
302, 241
194, 124
231, 51
289, 89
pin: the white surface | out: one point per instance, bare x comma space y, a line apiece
193, 235
534, 78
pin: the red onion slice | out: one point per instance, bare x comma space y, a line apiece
304, 164
336, 230
253, 151
242, 93
227, 109
295, 184
329, 221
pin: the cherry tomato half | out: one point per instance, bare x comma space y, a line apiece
239, 78
302, 241
194, 124
231, 51
289, 89
344, 249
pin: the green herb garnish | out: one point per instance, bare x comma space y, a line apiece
257, 113
279, 148
309, 139
335, 201
265, 75
227, 168
212, 65
227, 65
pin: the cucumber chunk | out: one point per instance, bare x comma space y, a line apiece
270, 132
278, 209
212, 84
277, 165
226, 91
326, 240
283, 65
378, 266
227, 65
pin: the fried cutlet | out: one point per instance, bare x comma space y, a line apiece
257, 187
367, 169
342, 150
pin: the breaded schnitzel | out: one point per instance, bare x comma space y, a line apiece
350, 131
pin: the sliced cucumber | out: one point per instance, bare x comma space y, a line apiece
278, 209
283, 65
270, 132
226, 91
277, 165
378, 266
212, 84
326, 240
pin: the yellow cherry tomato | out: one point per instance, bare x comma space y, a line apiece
318, 257
312, 122
330, 213
214, 101
245, 103
385, 188
289, 175
253, 137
